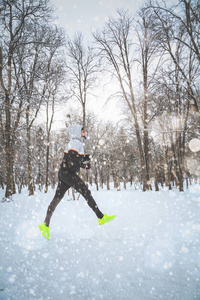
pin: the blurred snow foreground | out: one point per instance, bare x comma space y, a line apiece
150, 251
194, 145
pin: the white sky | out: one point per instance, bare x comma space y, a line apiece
86, 16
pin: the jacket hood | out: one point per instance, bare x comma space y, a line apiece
75, 131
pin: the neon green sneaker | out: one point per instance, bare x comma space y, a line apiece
45, 230
106, 219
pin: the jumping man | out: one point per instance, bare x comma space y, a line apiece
73, 160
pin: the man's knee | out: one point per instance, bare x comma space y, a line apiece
87, 193
84, 191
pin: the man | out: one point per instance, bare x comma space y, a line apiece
73, 160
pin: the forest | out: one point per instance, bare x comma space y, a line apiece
152, 57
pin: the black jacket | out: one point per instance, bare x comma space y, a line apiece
73, 161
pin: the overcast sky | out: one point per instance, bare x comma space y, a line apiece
88, 15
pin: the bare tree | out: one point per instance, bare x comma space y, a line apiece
56, 75
83, 68
115, 46
39, 82
183, 29
179, 75
15, 17
149, 61
34, 69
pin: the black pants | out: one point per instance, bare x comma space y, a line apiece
67, 180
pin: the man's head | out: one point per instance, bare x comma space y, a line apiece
83, 133
77, 131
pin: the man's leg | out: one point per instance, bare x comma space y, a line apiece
60, 192
76, 182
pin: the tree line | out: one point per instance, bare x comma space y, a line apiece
153, 59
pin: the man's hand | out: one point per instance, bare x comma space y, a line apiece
88, 166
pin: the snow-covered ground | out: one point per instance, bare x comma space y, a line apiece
150, 251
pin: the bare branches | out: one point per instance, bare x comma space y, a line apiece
177, 31
83, 68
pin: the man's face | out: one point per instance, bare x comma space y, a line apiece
83, 134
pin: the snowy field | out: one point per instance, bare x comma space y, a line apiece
150, 251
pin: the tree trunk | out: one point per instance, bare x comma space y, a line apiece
166, 170
142, 162
10, 186
180, 167
30, 178
84, 114
48, 129
145, 86
155, 172
96, 177
139, 140
124, 174
101, 177
108, 178
28, 144
146, 155
47, 167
